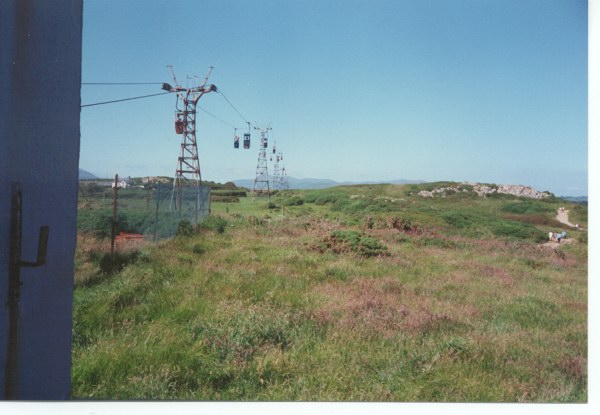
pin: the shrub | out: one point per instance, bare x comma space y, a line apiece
111, 264
330, 198
185, 229
215, 223
458, 219
293, 201
519, 230
527, 207
103, 225
311, 197
225, 199
352, 241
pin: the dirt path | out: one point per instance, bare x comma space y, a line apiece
563, 217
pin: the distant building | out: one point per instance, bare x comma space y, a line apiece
121, 184
155, 179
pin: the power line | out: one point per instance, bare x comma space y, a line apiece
234, 108
124, 99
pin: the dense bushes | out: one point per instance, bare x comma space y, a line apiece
215, 223
343, 241
475, 225
527, 207
519, 231
293, 201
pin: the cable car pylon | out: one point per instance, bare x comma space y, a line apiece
187, 172
261, 182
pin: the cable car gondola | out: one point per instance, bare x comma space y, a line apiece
179, 126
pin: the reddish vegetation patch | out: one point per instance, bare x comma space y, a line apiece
574, 367
498, 274
125, 241
384, 306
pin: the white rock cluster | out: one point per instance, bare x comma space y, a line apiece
483, 190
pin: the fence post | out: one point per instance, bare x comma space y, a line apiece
114, 217
156, 217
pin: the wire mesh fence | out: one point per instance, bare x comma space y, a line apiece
151, 212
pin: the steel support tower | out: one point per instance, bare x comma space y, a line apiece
187, 172
283, 181
261, 182
279, 180
276, 171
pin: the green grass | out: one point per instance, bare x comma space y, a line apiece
458, 305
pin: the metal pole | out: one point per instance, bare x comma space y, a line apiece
156, 217
114, 217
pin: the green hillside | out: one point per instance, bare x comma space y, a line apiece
353, 293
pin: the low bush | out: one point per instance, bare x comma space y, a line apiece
293, 201
330, 198
527, 207
113, 263
215, 223
519, 231
458, 219
225, 199
535, 220
342, 241
185, 228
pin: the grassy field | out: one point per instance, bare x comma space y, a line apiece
358, 293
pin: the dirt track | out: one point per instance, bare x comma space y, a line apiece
563, 217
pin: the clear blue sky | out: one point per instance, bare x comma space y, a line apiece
472, 90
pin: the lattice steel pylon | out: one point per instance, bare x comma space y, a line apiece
261, 182
283, 181
187, 172
279, 180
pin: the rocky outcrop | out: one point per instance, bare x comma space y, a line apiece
522, 191
484, 190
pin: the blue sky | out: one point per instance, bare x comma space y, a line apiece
472, 90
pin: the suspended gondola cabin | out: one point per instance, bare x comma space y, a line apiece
179, 125
236, 142
246, 140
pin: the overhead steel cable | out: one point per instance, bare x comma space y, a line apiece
217, 118
123, 99
121, 83
234, 108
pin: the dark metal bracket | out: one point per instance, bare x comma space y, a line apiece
14, 286
16, 233
42, 249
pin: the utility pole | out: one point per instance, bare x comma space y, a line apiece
261, 182
187, 172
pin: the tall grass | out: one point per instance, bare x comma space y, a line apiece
245, 308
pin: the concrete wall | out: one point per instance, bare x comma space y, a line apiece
40, 77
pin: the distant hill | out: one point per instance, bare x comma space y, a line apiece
86, 175
576, 199
311, 183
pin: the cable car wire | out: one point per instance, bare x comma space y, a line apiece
217, 118
121, 83
234, 108
124, 99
